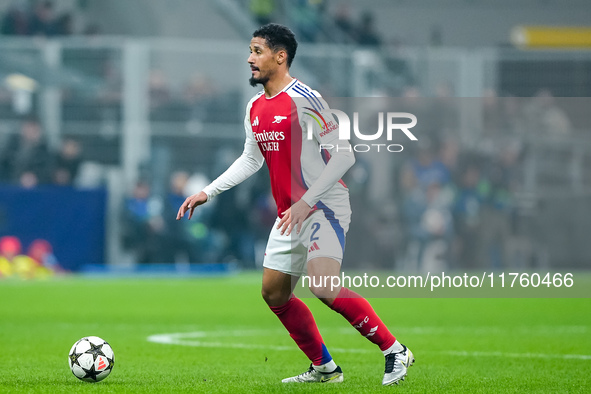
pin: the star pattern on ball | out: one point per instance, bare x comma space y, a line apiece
96, 350
91, 373
74, 357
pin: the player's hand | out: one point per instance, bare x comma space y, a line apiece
294, 216
190, 204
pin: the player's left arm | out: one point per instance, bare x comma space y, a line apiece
342, 158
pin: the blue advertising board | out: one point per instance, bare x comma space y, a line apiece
71, 220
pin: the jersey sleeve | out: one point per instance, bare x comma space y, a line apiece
249, 162
340, 156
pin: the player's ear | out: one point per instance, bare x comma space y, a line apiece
281, 56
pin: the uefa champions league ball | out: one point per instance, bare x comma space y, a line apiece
91, 359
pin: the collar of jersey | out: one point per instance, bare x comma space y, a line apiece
290, 84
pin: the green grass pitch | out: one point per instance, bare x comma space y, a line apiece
226, 340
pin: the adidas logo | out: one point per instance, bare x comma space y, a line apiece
256, 121
102, 364
313, 247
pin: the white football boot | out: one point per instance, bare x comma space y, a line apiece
314, 376
396, 366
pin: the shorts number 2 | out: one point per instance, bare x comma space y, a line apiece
315, 228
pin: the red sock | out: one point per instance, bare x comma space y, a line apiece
298, 320
358, 311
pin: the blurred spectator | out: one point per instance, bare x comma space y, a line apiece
414, 102
43, 21
427, 168
306, 16
37, 264
501, 116
514, 120
165, 107
492, 113
443, 111
10, 247
180, 238
428, 220
159, 89
265, 210
26, 157
92, 30
467, 211
41, 252
366, 34
189, 240
345, 23
383, 222
64, 25
501, 179
16, 21
449, 153
198, 88
262, 10
66, 163
143, 226
199, 97
235, 225
228, 221
543, 115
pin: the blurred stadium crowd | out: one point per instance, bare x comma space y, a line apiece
313, 22
41, 19
451, 201
310, 19
26, 159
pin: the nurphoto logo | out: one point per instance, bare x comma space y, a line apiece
395, 123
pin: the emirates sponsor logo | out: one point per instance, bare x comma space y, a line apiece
265, 136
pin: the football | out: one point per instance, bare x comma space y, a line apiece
91, 359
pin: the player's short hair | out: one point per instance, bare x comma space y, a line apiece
278, 37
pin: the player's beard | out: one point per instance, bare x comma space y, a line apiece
255, 81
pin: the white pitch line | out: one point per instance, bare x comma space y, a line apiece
515, 355
190, 339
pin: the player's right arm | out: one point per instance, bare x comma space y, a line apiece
247, 164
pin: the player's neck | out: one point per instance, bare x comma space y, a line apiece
276, 85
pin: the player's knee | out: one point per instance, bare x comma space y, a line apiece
321, 292
274, 297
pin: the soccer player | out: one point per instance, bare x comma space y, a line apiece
312, 205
